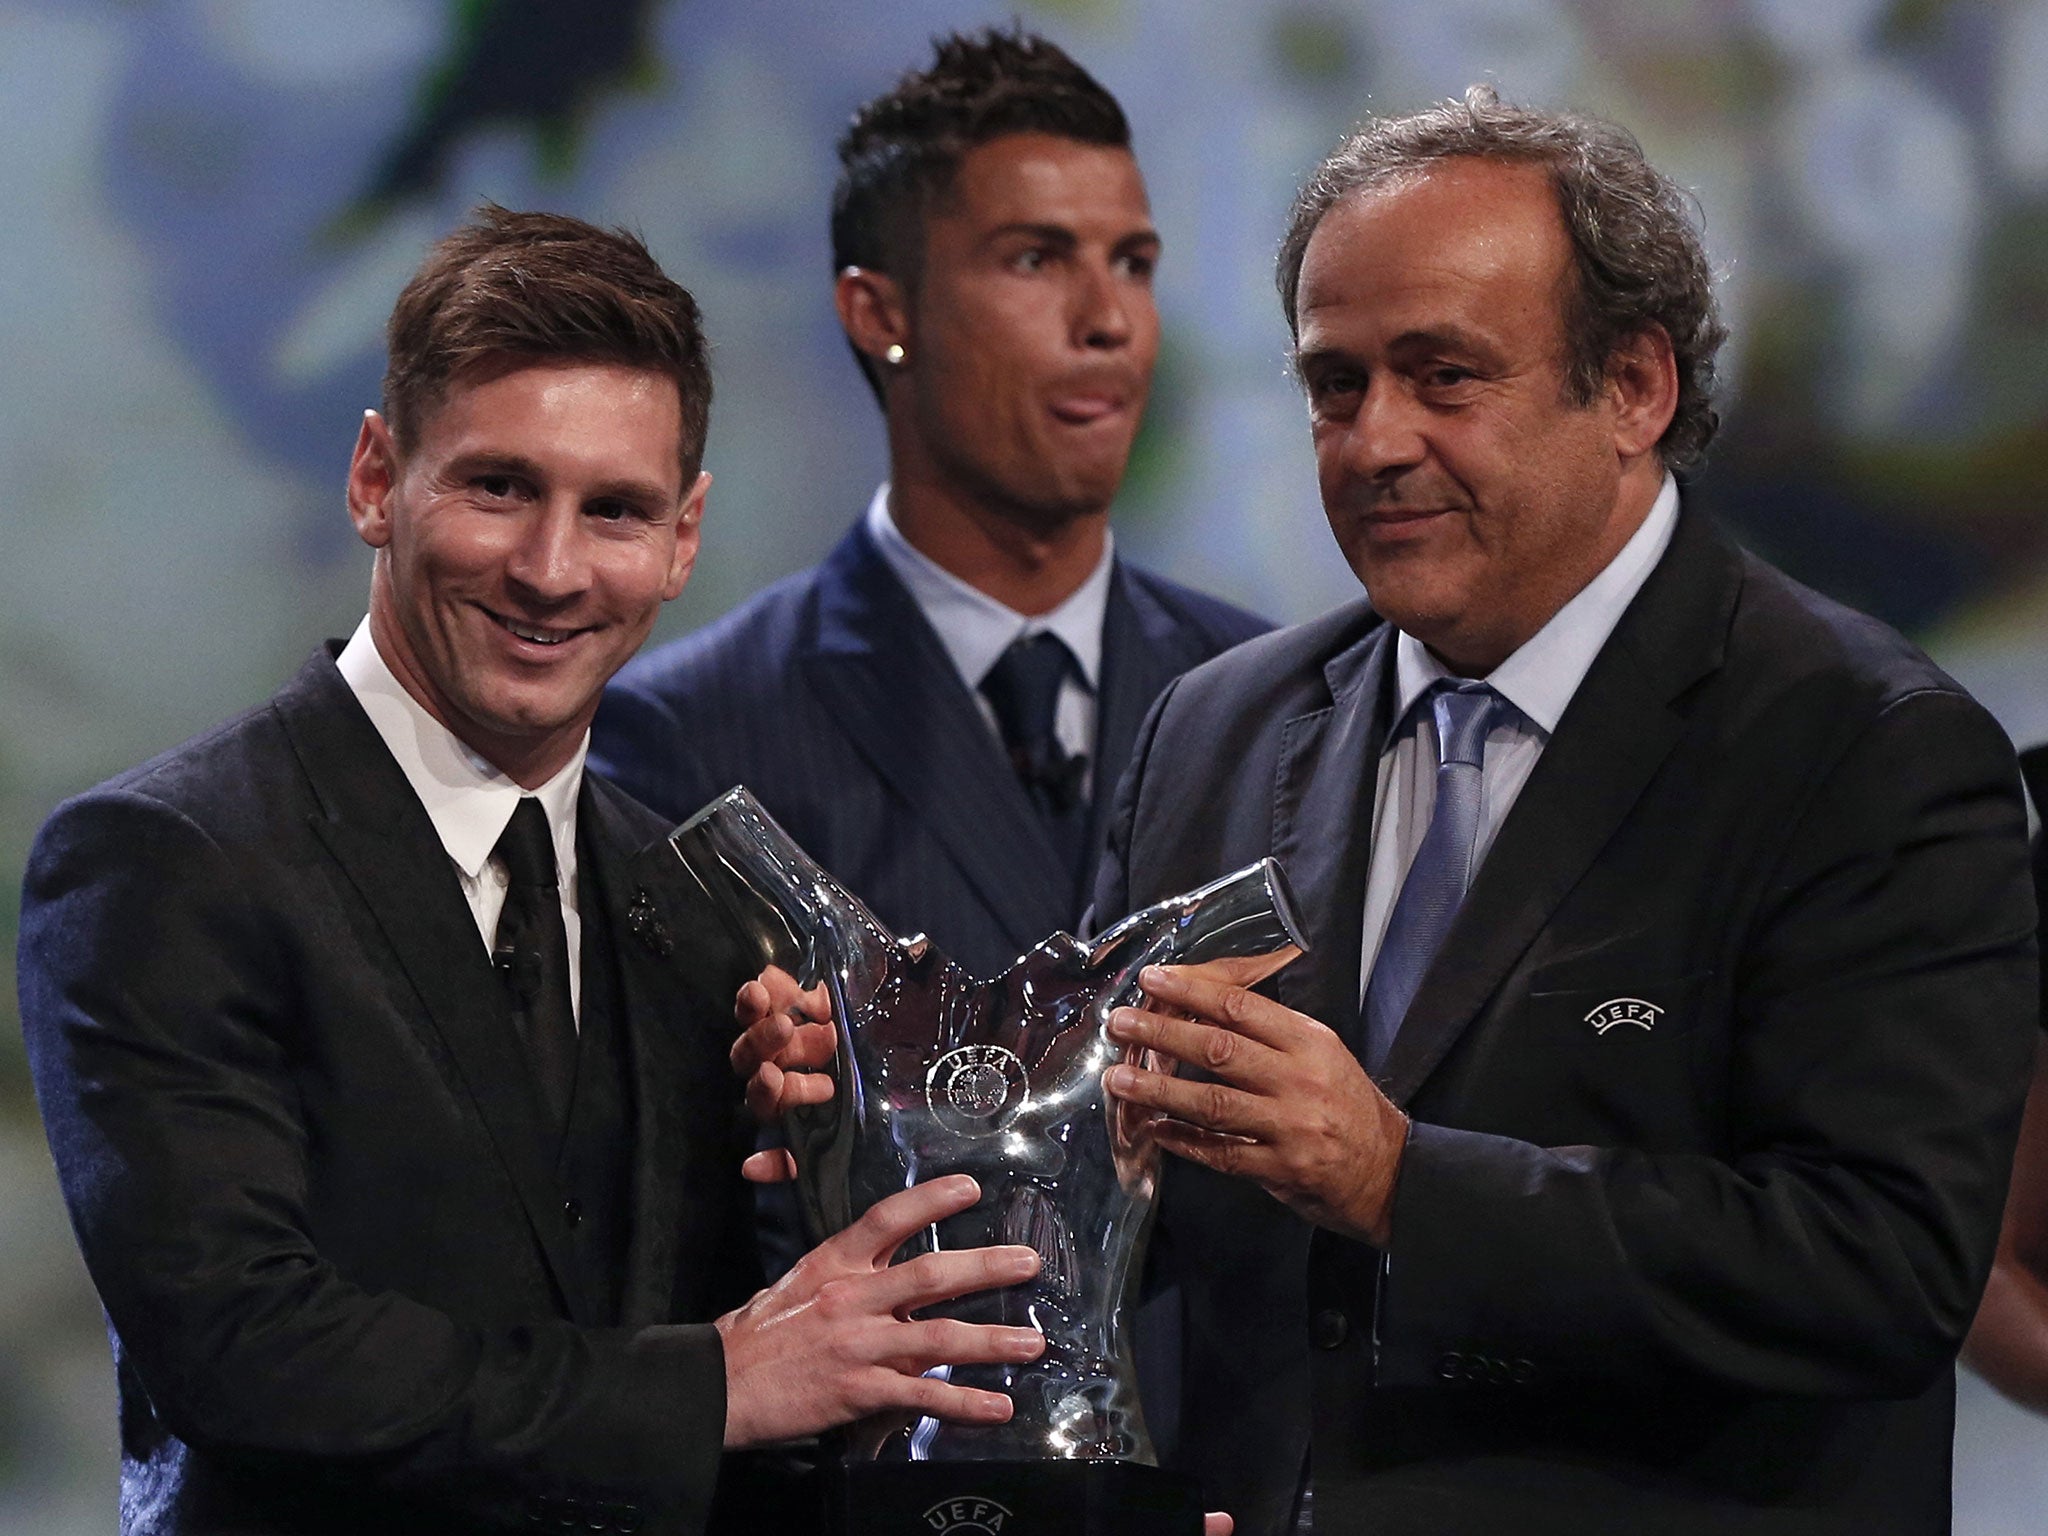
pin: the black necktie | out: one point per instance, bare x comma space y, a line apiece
1023, 688
532, 955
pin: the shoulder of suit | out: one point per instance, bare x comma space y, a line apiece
728, 651
1279, 661
224, 760
1221, 624
238, 782
1786, 635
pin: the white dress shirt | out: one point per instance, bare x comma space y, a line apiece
1537, 681
975, 629
469, 801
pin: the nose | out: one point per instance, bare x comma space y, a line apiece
1385, 437
548, 562
1101, 308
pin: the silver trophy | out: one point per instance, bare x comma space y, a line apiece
938, 1072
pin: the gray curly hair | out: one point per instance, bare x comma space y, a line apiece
1636, 247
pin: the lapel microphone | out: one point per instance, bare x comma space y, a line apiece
519, 969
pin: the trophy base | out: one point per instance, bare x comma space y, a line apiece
1013, 1498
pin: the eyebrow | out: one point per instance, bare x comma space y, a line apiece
519, 465
1455, 338
1320, 354
1059, 234
1451, 338
1048, 234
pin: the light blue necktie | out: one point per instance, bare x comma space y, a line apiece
1437, 880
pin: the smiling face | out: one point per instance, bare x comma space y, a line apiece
1471, 495
525, 542
1031, 331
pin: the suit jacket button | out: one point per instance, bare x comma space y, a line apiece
1522, 1371
1450, 1365
572, 1212
1329, 1328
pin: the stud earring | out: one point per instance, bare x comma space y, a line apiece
893, 354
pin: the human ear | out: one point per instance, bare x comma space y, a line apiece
689, 535
872, 311
1642, 383
372, 473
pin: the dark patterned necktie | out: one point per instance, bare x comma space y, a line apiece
1023, 688
531, 953
1442, 872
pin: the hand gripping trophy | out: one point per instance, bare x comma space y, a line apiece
937, 1072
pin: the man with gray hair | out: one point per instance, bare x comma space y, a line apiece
1627, 1153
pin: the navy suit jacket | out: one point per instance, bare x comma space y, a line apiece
2034, 768
302, 1150
1707, 1275
833, 700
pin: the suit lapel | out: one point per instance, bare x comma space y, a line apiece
1322, 825
2034, 770
1616, 732
887, 680
690, 1249
1143, 649
379, 833
650, 1001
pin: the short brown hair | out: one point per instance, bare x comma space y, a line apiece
542, 287
1637, 256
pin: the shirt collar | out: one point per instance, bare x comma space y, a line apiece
976, 629
1540, 678
469, 801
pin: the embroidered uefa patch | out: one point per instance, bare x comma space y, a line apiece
968, 1516
1624, 1010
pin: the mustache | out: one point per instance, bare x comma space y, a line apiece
1404, 494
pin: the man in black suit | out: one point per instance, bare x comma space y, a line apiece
940, 711
1627, 1153
385, 1082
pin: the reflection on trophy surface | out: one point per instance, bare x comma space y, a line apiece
937, 1072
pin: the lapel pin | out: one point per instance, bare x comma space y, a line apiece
1624, 1010
644, 918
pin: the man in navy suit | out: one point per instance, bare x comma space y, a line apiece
382, 1050
1626, 1155
940, 711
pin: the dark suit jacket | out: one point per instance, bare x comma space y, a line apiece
2034, 769
832, 699
1704, 1276
299, 1142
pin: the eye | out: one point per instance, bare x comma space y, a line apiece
1137, 265
612, 511
1446, 376
496, 487
1031, 259
1335, 386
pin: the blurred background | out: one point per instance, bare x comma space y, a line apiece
207, 207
